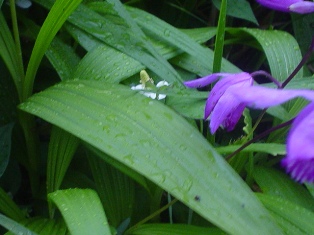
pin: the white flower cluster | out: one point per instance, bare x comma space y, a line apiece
146, 83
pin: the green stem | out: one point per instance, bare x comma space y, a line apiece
16, 36
154, 214
262, 135
27, 122
220, 37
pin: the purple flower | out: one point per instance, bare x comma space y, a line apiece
299, 161
297, 6
234, 92
224, 109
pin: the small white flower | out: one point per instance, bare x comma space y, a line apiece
151, 95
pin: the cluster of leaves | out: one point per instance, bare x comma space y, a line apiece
82, 153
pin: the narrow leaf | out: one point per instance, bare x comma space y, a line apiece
9, 54
14, 226
62, 147
9, 208
220, 37
273, 149
116, 190
44, 226
54, 21
5, 146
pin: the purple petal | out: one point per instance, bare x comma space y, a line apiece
231, 121
279, 5
226, 112
242, 79
300, 147
204, 81
302, 7
261, 97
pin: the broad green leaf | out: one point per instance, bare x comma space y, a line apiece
121, 34
273, 149
201, 57
173, 229
54, 21
281, 49
115, 189
239, 9
293, 218
303, 30
200, 35
8, 207
276, 183
43, 226
5, 146
14, 226
301, 83
152, 139
81, 210
106, 63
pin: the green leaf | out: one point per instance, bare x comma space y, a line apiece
172, 229
63, 58
8, 207
121, 167
248, 122
200, 35
276, 183
220, 37
293, 218
14, 226
108, 64
5, 146
152, 139
273, 149
281, 49
62, 147
115, 189
44, 226
239, 9
81, 210
9, 54
182, 39
54, 21
121, 32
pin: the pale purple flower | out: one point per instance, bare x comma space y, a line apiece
234, 92
297, 6
224, 109
299, 161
